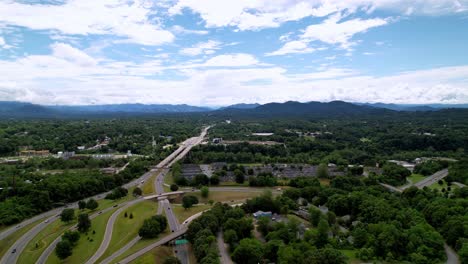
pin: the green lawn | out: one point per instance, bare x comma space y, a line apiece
220, 196
183, 214
139, 245
56, 229
9, 240
126, 229
439, 187
88, 244
43, 240
234, 184
155, 256
415, 178
351, 255
148, 186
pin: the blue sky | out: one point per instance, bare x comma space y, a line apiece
221, 52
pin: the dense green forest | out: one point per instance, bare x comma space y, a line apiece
134, 134
343, 141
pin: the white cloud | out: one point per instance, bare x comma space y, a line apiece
331, 31
296, 46
67, 52
231, 60
181, 30
208, 47
70, 76
124, 19
258, 14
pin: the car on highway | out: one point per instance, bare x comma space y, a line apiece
14, 251
46, 221
116, 205
100, 212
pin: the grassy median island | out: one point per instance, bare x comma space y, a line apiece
88, 243
6, 243
155, 256
140, 245
415, 178
32, 253
182, 214
126, 228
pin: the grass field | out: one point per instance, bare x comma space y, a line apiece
220, 196
43, 240
126, 229
234, 184
88, 244
183, 214
155, 256
437, 186
9, 240
351, 255
415, 178
141, 244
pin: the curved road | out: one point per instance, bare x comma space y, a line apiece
48, 251
21, 243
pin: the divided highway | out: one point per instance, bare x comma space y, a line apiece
18, 247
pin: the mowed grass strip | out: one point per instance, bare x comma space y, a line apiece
140, 245
88, 243
182, 214
32, 253
6, 243
126, 229
155, 256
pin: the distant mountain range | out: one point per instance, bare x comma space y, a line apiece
291, 108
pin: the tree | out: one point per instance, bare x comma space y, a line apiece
153, 226
63, 249
81, 204
463, 253
67, 215
249, 251
214, 180
315, 215
131, 216
230, 237
322, 233
331, 218
171, 260
92, 204
200, 179
174, 187
71, 236
205, 191
322, 171
240, 178
189, 200
83, 223
137, 191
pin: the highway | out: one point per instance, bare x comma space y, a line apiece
22, 242
164, 204
108, 233
428, 181
50, 249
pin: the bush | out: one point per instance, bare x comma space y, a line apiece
153, 226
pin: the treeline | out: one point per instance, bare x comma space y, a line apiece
134, 134
25, 194
365, 141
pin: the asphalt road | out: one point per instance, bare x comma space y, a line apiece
428, 181
21, 243
224, 255
50, 249
108, 233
